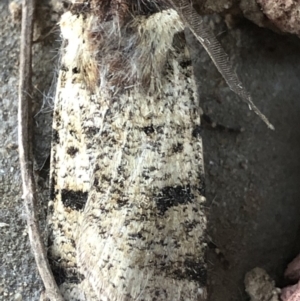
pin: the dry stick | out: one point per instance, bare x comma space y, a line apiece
26, 155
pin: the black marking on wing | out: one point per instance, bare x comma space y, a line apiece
59, 273
72, 151
136, 236
173, 196
74, 199
91, 131
53, 192
201, 187
55, 136
177, 148
193, 271
196, 131
75, 70
148, 130
185, 64
62, 275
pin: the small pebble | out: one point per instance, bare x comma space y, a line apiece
18, 297
15, 10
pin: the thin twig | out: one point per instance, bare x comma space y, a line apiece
26, 155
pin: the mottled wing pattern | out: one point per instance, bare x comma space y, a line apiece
127, 217
70, 163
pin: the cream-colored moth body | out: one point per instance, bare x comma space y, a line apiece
126, 215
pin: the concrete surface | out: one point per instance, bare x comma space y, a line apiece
252, 178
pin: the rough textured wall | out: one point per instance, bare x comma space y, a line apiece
284, 14
278, 15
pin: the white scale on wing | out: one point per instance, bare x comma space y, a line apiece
127, 219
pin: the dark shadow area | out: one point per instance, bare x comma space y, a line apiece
253, 177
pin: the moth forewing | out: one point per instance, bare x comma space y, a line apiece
128, 219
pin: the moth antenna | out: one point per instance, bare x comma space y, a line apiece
216, 52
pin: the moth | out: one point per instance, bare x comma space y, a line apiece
127, 216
